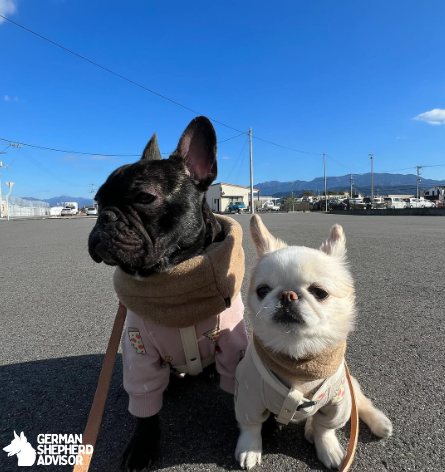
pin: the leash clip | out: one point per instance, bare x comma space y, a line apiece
305, 405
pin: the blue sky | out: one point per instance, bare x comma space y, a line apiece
345, 78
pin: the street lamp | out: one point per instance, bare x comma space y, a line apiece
9, 184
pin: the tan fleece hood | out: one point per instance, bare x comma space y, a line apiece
194, 290
320, 365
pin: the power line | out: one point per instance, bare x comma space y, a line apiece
114, 73
95, 153
286, 147
143, 87
236, 162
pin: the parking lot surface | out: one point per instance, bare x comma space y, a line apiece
57, 307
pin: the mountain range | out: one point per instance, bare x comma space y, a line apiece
60, 201
403, 184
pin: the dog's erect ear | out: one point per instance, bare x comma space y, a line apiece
151, 151
22, 437
264, 242
197, 146
16, 436
335, 245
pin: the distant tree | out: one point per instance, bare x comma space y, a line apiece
307, 193
288, 203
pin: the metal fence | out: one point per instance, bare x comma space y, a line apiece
26, 208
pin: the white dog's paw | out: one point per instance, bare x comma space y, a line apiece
249, 447
329, 450
381, 425
249, 459
309, 430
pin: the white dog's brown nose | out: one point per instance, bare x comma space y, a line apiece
287, 297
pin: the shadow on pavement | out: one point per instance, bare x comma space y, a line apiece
198, 423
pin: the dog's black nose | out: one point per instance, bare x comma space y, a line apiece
107, 216
287, 297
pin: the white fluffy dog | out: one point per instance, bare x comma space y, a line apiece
301, 308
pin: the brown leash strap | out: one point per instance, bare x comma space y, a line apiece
354, 427
103, 384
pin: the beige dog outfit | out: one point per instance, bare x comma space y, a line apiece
184, 320
260, 391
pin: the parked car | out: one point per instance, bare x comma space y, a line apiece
337, 205
356, 203
237, 207
437, 203
394, 202
65, 212
91, 211
418, 203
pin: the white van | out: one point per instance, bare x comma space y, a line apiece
394, 202
417, 203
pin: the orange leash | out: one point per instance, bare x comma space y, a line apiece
353, 437
103, 384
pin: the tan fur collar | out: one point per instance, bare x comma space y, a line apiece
321, 365
194, 290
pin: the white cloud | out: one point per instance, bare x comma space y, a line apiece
6, 98
226, 157
433, 117
7, 7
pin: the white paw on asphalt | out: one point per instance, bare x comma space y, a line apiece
381, 425
249, 449
329, 451
249, 459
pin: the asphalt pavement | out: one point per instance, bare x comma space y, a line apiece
57, 307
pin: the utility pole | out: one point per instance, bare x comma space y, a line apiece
352, 183
325, 187
252, 206
372, 175
9, 184
1, 198
418, 181
292, 195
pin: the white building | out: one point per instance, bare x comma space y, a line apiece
220, 195
435, 193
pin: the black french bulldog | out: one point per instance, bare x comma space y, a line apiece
153, 214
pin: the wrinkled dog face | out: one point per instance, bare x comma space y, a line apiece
153, 213
301, 300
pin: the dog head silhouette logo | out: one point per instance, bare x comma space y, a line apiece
20, 446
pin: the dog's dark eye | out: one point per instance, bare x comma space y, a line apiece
262, 291
144, 198
319, 293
